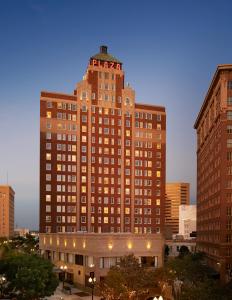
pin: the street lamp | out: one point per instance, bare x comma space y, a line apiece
2, 282
64, 269
92, 281
160, 298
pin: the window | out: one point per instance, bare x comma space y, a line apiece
48, 135
49, 114
48, 156
229, 128
229, 84
229, 143
158, 118
229, 115
229, 101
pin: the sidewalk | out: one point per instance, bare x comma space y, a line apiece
58, 295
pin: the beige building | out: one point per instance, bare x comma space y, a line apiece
21, 231
6, 211
176, 194
175, 245
83, 253
187, 220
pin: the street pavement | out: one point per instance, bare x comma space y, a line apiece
59, 295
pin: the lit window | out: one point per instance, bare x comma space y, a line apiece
229, 143
48, 198
83, 209
48, 156
48, 114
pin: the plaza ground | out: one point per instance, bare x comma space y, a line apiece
59, 294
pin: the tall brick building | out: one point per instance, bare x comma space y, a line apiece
6, 211
177, 193
102, 156
214, 173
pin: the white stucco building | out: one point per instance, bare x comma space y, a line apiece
187, 220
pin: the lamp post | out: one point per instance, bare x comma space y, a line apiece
2, 282
64, 269
92, 281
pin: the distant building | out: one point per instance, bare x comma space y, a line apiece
6, 211
176, 194
187, 220
214, 173
21, 231
175, 245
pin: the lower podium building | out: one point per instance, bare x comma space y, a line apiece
83, 253
102, 172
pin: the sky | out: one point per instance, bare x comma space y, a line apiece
169, 49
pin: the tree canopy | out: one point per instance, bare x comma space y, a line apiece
129, 280
28, 276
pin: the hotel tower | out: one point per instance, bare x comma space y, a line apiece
102, 161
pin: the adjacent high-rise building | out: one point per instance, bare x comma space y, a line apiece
102, 173
214, 172
6, 211
177, 193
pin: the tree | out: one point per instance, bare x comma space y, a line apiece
184, 250
129, 280
166, 251
28, 276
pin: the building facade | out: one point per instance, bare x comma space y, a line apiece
102, 156
187, 220
175, 245
177, 194
83, 253
214, 172
6, 211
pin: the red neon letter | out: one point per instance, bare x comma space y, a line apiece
118, 67
94, 62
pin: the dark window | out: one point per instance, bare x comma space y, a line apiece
79, 260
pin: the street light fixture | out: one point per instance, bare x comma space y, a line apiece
92, 281
160, 298
64, 269
2, 282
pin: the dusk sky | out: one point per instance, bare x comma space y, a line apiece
169, 49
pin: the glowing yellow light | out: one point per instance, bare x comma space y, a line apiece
50, 241
74, 244
57, 242
84, 244
110, 246
148, 245
44, 240
65, 243
129, 245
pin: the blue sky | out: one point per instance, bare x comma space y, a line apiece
170, 50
